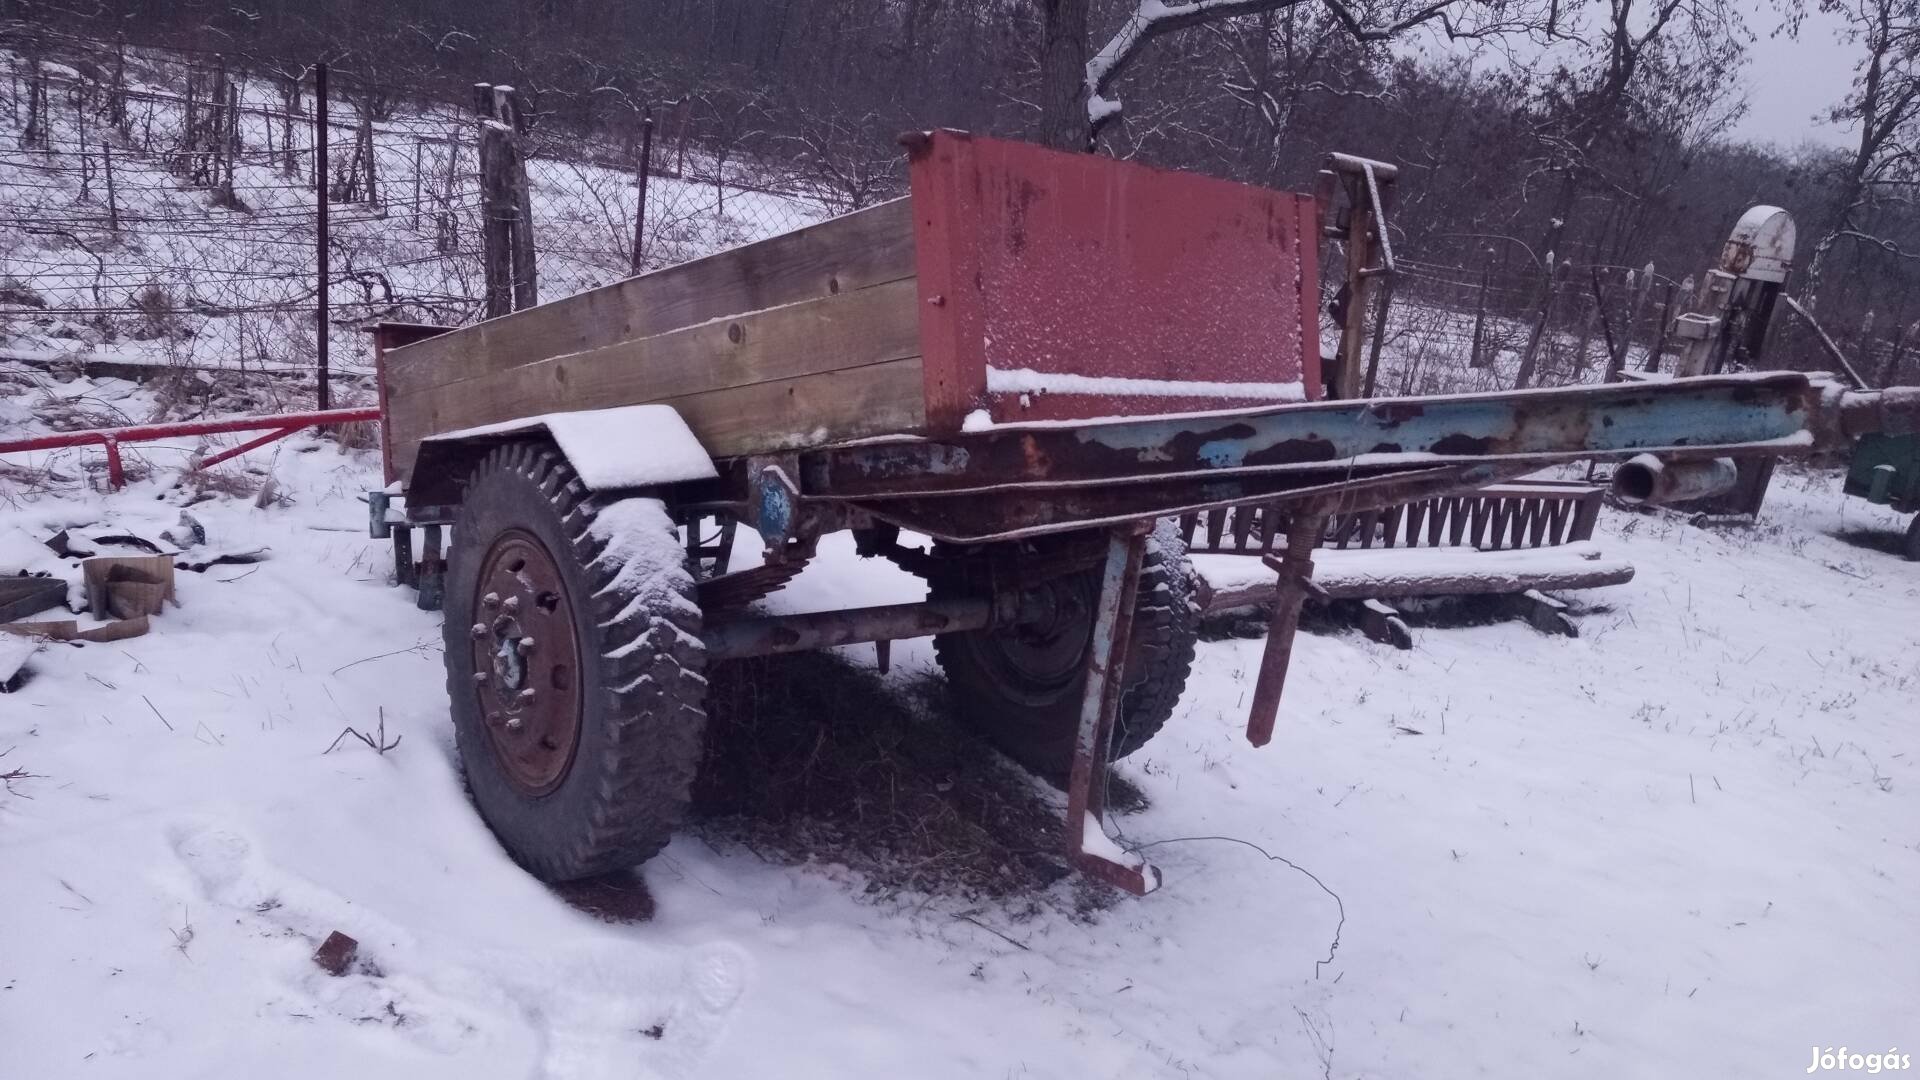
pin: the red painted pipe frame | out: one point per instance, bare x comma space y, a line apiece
279, 427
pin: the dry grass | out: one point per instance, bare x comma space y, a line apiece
812, 759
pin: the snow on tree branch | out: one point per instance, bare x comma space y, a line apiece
1152, 18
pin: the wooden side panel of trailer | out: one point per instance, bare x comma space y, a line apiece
802, 338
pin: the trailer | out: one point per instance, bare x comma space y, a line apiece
1010, 383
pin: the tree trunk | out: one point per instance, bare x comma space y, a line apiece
1063, 75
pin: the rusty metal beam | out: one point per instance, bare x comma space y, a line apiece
1703, 416
772, 634
1099, 703
1294, 586
983, 517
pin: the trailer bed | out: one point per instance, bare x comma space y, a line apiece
1014, 283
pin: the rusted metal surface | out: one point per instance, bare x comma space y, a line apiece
112, 438
1703, 416
1291, 590
773, 634
526, 662
1521, 513
1893, 411
728, 593
337, 954
1646, 480
1106, 657
1761, 245
1065, 265
1024, 512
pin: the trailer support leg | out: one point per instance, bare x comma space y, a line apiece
404, 572
1088, 847
1291, 591
431, 577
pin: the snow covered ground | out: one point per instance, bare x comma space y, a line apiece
1685, 844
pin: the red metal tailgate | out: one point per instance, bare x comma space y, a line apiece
1057, 286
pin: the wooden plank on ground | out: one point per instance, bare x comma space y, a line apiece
844, 255
851, 330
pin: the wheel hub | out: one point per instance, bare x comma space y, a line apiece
1043, 655
526, 661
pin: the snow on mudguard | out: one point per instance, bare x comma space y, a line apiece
631, 446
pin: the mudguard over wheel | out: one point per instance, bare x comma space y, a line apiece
573, 665
1020, 687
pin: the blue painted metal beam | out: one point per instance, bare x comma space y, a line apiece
1700, 416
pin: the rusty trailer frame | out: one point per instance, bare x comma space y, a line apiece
1316, 460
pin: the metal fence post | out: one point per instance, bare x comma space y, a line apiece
320, 196
113, 203
640, 215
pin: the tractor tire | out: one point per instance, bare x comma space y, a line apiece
1910, 547
1020, 687
573, 660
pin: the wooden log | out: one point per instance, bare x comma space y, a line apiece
1381, 623
1381, 575
1542, 612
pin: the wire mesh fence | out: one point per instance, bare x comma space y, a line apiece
163, 208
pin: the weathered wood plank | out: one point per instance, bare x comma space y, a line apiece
807, 410
844, 255
852, 330
851, 403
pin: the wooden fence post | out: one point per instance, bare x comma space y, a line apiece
1550, 289
419, 160
1586, 331
1890, 375
1476, 359
526, 286
113, 202
366, 150
447, 238
1617, 362
1381, 305
496, 224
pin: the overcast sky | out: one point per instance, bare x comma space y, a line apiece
1789, 82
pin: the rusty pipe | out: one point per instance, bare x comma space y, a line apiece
772, 634
1893, 411
1646, 480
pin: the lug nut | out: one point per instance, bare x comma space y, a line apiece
526, 696
491, 600
480, 677
512, 603
514, 723
525, 645
479, 630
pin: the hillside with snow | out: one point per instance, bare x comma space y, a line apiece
1685, 843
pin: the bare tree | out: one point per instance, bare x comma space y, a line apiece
1884, 104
